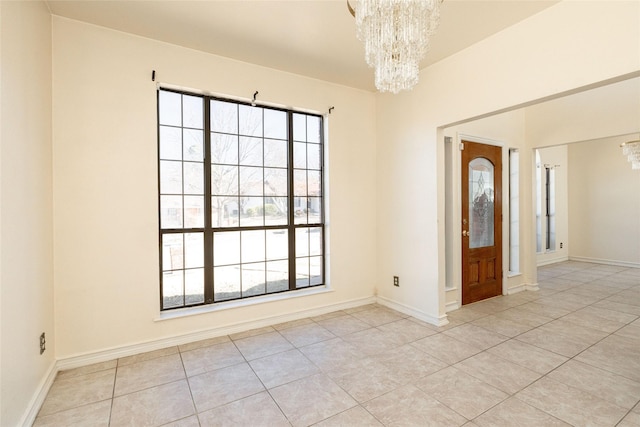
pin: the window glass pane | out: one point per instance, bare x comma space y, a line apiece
302, 272
315, 241
251, 211
253, 279
314, 183
193, 178
315, 270
192, 112
226, 282
172, 289
224, 148
299, 155
538, 203
299, 182
170, 108
170, 143
193, 250
313, 129
313, 156
170, 177
250, 120
514, 210
314, 210
481, 233
277, 244
250, 151
194, 211
300, 212
275, 124
170, 211
253, 246
194, 286
276, 211
277, 276
302, 242
193, 145
224, 180
224, 117
275, 182
551, 209
275, 153
299, 127
251, 181
172, 252
226, 248
225, 211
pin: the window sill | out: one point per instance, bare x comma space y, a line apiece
210, 308
511, 274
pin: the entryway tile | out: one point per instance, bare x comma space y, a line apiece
311, 399
154, 406
258, 410
224, 385
80, 390
461, 392
410, 406
571, 405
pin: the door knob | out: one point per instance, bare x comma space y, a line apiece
465, 233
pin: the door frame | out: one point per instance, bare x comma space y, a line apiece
453, 236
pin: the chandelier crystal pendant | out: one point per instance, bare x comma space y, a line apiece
631, 149
396, 36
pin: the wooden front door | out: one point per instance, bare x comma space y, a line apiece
481, 226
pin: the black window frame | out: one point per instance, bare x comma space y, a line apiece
209, 231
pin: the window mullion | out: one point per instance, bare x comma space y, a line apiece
208, 231
291, 204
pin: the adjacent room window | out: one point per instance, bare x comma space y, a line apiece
545, 206
241, 200
514, 211
538, 202
550, 205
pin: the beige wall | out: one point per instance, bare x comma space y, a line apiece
26, 260
604, 203
105, 184
533, 60
602, 112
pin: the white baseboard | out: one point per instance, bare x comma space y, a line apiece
605, 261
450, 306
437, 321
552, 261
532, 287
41, 393
515, 289
130, 350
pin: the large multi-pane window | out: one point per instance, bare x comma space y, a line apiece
241, 199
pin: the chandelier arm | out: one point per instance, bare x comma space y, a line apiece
637, 141
352, 11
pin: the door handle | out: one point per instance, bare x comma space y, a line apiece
465, 233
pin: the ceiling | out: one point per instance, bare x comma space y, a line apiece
315, 38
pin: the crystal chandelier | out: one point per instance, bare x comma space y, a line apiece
396, 35
631, 149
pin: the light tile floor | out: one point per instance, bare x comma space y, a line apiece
568, 354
